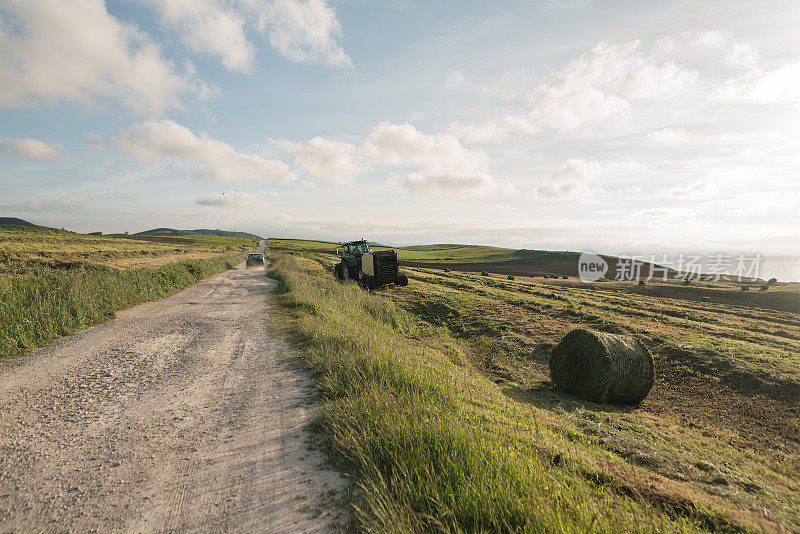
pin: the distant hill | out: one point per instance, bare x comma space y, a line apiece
167, 232
15, 221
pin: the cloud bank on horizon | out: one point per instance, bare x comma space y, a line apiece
580, 125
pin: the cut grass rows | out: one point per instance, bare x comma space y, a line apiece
717, 398
433, 445
711, 327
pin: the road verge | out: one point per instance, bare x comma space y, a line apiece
36, 309
432, 445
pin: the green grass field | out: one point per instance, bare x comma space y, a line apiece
54, 282
439, 404
24, 250
428, 253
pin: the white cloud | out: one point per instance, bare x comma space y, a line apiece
621, 167
156, 140
772, 206
707, 48
234, 199
734, 52
209, 26
329, 161
76, 51
478, 133
570, 181
667, 136
698, 190
435, 162
444, 163
112, 195
493, 131
605, 81
449, 183
778, 86
658, 216
50, 205
613, 78
32, 149
305, 31
405, 146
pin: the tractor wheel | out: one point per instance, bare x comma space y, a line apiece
341, 272
367, 282
402, 280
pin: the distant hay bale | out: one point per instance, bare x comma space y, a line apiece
687, 282
565, 277
484, 273
510, 277
745, 288
602, 367
446, 270
772, 281
764, 287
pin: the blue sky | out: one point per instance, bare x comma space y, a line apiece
614, 126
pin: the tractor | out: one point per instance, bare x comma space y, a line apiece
371, 269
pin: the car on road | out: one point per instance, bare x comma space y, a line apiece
255, 259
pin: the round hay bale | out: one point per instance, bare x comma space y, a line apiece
602, 367
745, 288
687, 282
772, 281
484, 273
510, 276
565, 277
764, 287
446, 270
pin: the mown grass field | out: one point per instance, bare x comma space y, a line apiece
439, 403
24, 250
54, 282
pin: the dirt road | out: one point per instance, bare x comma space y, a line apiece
180, 414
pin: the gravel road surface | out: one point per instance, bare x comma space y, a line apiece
178, 415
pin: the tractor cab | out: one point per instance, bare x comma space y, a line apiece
351, 253
355, 248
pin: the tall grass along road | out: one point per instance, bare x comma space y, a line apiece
438, 403
54, 282
180, 414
